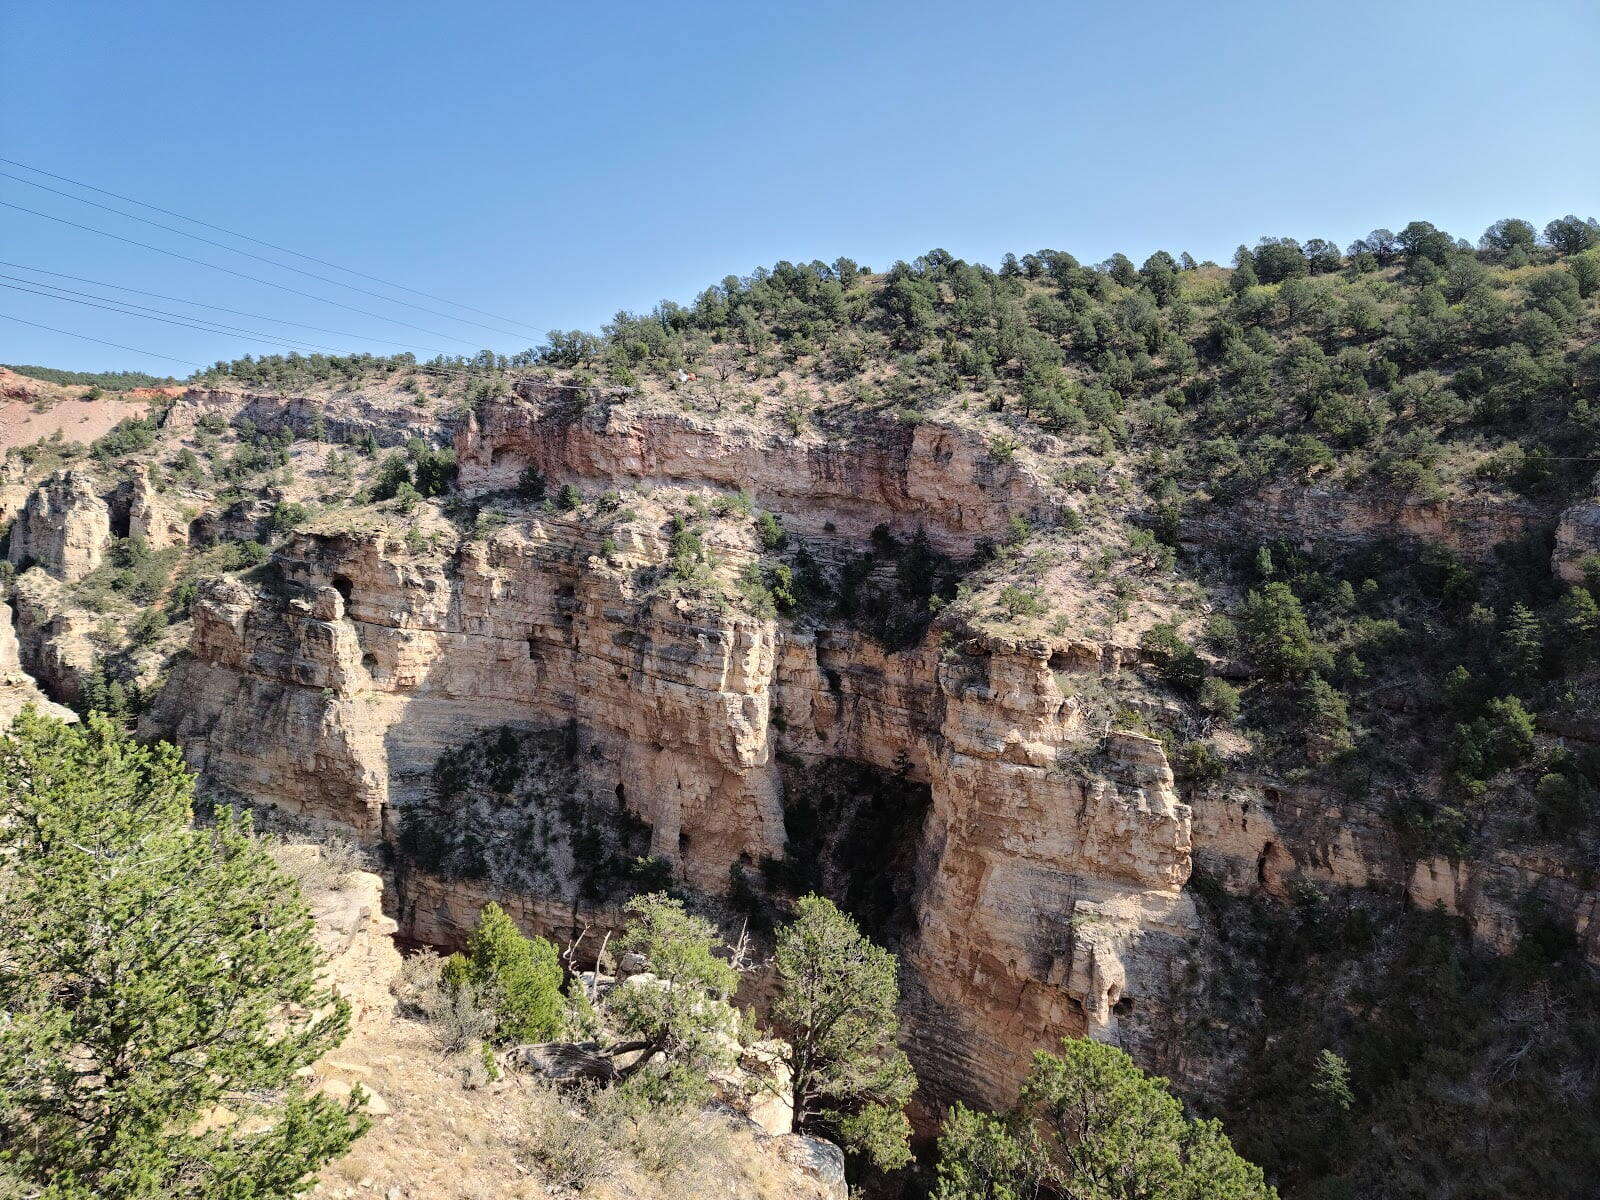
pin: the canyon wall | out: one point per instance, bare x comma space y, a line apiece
938, 478
332, 693
1043, 883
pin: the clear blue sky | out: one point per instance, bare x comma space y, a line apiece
558, 162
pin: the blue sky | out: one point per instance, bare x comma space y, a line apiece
554, 163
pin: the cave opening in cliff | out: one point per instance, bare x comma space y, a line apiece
854, 834
342, 585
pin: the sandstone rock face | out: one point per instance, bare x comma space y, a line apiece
927, 476
65, 527
1471, 528
1049, 886
1043, 887
17, 687
55, 639
1256, 834
152, 516
1577, 537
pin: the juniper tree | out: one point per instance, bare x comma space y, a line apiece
1090, 1125
836, 1010
682, 1013
520, 977
153, 975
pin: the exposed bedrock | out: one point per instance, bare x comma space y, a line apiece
1037, 879
930, 476
1030, 870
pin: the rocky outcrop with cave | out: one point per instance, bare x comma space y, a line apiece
527, 714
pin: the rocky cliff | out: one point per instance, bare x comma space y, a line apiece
1029, 860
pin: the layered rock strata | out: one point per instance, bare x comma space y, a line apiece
1040, 877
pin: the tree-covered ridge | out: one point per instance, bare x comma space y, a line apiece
1379, 365
117, 381
1409, 361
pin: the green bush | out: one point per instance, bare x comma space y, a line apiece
520, 977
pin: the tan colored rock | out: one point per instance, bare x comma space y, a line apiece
925, 476
1470, 526
64, 528
17, 688
152, 516
55, 638
335, 701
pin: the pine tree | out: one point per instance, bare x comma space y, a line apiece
1579, 617
836, 1009
152, 973
1521, 650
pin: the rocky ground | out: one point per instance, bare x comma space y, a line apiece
442, 1131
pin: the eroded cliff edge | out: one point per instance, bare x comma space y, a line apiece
1028, 857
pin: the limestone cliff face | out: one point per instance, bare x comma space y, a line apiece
17, 687
1472, 528
151, 515
1577, 538
355, 415
927, 476
55, 639
1047, 888
1043, 882
65, 527
1257, 833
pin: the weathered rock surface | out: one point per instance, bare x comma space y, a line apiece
152, 516
65, 527
335, 699
927, 476
55, 639
17, 688
1043, 888
1577, 537
1469, 527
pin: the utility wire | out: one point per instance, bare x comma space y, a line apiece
271, 262
182, 320
218, 308
102, 341
177, 319
242, 275
270, 245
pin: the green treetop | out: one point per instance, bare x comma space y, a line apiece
1091, 1126
153, 974
836, 1009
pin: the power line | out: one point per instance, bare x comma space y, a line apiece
123, 307
102, 341
200, 325
432, 368
216, 307
258, 257
269, 245
241, 274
